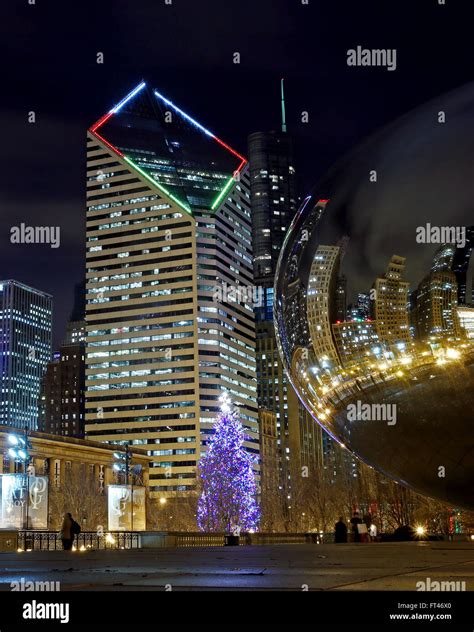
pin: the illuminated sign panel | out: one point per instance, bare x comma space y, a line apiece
122, 516
24, 498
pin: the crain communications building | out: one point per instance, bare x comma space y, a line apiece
168, 225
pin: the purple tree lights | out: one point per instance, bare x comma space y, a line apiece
229, 492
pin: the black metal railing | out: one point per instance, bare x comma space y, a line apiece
193, 539
86, 540
90, 540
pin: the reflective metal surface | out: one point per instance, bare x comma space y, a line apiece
374, 301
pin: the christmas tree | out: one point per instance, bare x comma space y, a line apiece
229, 492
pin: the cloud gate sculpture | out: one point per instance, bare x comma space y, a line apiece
374, 300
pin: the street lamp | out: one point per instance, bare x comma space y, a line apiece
19, 452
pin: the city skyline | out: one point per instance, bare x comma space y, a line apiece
236, 311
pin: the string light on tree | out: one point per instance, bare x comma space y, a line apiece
229, 491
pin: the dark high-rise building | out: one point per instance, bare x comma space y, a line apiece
62, 392
274, 205
273, 195
25, 349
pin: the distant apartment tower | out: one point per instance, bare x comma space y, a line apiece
62, 393
25, 350
62, 403
390, 305
168, 224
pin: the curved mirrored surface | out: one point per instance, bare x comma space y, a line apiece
374, 304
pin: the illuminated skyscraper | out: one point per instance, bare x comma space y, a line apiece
168, 224
322, 304
437, 298
25, 350
274, 205
391, 304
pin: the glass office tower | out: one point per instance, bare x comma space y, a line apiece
25, 350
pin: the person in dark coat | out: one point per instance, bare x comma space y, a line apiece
356, 520
67, 535
69, 529
340, 531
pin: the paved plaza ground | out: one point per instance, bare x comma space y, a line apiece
375, 566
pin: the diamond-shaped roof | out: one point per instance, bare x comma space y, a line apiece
184, 159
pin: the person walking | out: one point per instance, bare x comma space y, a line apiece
67, 536
340, 531
69, 529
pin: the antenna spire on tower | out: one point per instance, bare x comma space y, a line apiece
283, 115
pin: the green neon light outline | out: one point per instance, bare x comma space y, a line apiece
161, 187
222, 193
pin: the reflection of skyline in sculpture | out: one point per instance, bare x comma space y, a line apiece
432, 308
373, 358
406, 337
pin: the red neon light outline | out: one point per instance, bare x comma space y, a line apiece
221, 142
101, 121
109, 144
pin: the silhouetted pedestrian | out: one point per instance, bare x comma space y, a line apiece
67, 536
69, 529
340, 531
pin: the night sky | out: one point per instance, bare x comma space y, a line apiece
185, 50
